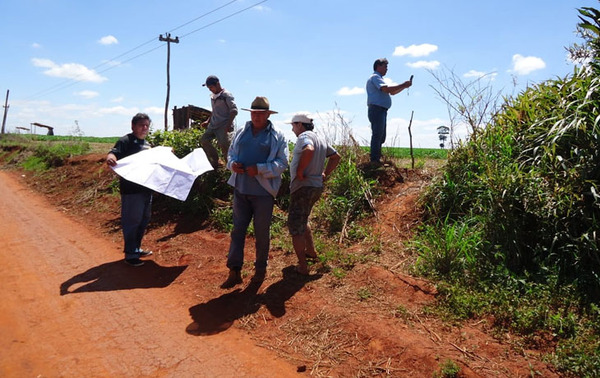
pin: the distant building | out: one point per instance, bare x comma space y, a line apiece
183, 116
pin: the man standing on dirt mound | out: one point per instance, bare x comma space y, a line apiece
379, 100
220, 124
136, 200
257, 157
308, 173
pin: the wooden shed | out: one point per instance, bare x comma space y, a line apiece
183, 116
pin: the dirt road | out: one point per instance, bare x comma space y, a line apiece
71, 307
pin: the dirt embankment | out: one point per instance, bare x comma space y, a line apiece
71, 307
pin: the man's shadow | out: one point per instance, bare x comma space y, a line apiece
117, 275
277, 294
218, 314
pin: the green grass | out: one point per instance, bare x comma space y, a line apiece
404, 153
26, 138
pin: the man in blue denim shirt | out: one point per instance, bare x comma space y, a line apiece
379, 101
257, 157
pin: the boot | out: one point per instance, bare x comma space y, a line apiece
234, 278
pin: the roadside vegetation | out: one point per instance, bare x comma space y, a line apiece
511, 229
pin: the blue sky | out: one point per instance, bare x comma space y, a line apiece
96, 63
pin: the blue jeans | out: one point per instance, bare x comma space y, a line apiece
135, 215
245, 208
378, 118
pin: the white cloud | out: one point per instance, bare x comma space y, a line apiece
415, 50
87, 94
36, 45
108, 40
118, 99
481, 74
261, 8
119, 110
73, 71
347, 91
112, 63
155, 110
524, 65
430, 65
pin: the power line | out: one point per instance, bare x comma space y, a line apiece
224, 18
72, 81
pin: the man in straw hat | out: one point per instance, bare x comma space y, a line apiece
257, 157
308, 172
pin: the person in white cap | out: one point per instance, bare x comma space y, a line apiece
308, 173
257, 157
220, 124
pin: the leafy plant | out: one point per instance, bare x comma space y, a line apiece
448, 369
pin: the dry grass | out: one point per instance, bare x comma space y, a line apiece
320, 340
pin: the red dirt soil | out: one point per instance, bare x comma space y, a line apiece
71, 307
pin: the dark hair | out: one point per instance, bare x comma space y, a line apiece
379, 62
308, 126
140, 117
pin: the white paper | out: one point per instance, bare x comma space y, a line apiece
160, 170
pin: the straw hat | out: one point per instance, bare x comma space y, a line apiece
260, 104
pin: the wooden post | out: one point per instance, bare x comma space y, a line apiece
168, 39
5, 111
412, 157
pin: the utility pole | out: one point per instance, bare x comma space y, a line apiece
5, 111
168, 39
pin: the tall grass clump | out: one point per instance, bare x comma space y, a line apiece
348, 193
529, 184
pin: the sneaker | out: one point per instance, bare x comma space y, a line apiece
234, 278
134, 262
144, 253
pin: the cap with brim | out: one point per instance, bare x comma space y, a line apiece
260, 104
211, 80
301, 117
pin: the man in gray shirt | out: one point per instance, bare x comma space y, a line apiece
220, 124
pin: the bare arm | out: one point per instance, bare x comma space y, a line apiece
305, 158
332, 163
395, 89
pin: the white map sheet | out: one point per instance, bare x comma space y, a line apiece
160, 170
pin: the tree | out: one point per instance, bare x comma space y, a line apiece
472, 103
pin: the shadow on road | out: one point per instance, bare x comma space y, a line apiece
117, 275
218, 314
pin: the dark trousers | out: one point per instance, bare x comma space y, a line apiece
135, 215
378, 118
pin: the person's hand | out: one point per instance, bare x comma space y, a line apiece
300, 175
111, 160
252, 170
237, 167
204, 124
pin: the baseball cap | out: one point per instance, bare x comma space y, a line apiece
211, 80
